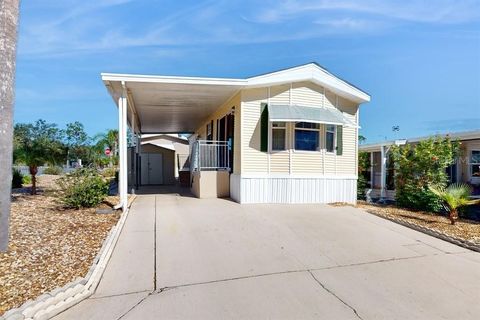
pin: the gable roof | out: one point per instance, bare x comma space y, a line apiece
315, 73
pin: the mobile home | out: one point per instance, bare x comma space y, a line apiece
289, 136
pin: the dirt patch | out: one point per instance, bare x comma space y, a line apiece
467, 230
49, 246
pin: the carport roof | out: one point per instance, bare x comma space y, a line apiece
171, 104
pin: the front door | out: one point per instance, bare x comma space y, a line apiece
225, 133
151, 168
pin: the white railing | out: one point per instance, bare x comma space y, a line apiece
210, 155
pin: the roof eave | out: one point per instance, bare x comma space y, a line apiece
117, 77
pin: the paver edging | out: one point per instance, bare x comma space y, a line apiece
434, 233
59, 299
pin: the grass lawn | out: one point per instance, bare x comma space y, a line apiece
49, 246
467, 230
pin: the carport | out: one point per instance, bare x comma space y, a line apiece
162, 104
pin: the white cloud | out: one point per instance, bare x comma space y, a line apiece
439, 11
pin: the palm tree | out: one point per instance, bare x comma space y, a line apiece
37, 144
108, 139
455, 196
8, 49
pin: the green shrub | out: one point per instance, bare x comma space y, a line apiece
55, 170
418, 197
361, 188
82, 188
419, 167
17, 178
27, 179
362, 182
109, 172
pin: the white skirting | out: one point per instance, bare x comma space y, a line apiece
293, 189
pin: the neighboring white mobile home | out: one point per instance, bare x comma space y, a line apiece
465, 169
289, 136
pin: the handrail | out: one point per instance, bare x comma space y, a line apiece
210, 155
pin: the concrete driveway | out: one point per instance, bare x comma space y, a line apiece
185, 258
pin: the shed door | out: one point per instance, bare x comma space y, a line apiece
155, 165
151, 168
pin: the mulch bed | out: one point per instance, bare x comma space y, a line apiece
465, 230
49, 246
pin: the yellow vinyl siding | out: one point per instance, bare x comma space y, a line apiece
307, 94
304, 94
304, 162
253, 160
279, 162
346, 163
330, 99
279, 94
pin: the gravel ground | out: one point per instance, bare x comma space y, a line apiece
49, 246
463, 229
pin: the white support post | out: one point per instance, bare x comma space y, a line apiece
383, 173
372, 173
119, 149
122, 137
137, 164
269, 139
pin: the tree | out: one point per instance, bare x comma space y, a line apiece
455, 196
420, 166
8, 49
361, 139
76, 141
109, 140
37, 144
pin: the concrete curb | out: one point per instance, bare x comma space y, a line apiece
50, 304
434, 233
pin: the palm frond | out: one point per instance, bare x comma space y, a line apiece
455, 196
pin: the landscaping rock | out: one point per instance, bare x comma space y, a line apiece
49, 246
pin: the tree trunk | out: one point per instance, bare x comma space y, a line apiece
33, 173
453, 216
8, 48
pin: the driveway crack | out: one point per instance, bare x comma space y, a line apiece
333, 294
136, 305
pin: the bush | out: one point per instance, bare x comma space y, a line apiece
17, 179
361, 188
419, 198
82, 188
362, 182
109, 172
419, 167
27, 179
55, 170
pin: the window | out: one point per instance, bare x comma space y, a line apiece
278, 136
307, 136
330, 138
210, 130
475, 163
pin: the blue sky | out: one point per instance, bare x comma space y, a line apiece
419, 60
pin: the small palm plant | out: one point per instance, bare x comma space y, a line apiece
455, 196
